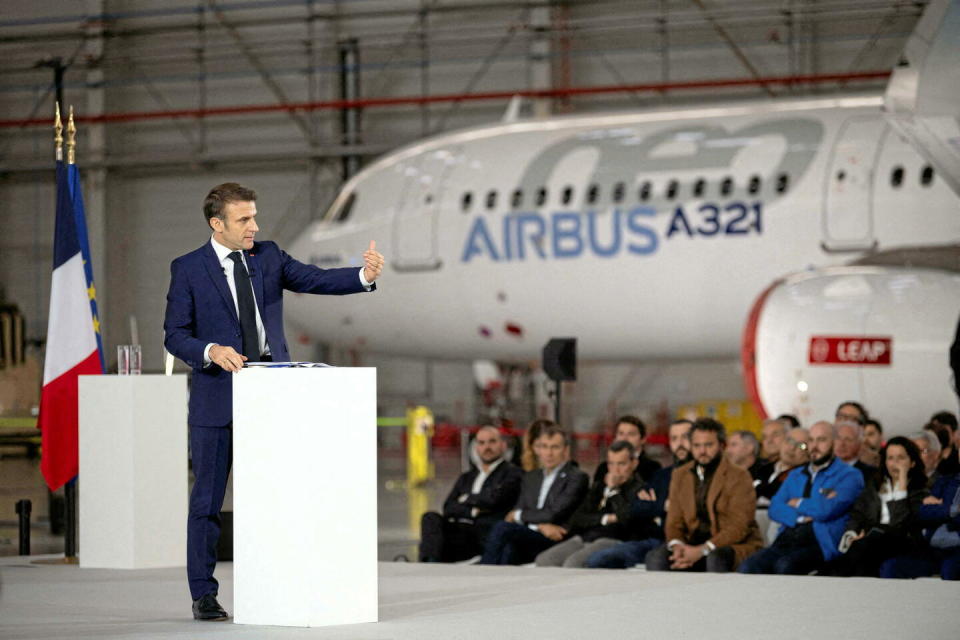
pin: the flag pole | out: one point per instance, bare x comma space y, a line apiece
58, 137
70, 489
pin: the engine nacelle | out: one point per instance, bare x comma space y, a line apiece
877, 335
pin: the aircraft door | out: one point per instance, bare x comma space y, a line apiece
848, 195
415, 224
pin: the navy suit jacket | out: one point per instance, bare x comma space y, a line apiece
201, 310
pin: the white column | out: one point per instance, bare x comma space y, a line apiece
133, 471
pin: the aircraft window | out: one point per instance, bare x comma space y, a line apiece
841, 175
517, 199
896, 177
428, 199
567, 195
754, 185
618, 190
783, 181
926, 176
347, 208
466, 201
726, 186
645, 191
592, 194
491, 199
541, 196
699, 187
672, 187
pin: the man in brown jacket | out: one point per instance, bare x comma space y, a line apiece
710, 514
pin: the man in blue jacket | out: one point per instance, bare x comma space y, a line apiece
811, 506
225, 307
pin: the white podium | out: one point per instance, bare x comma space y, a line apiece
133, 471
304, 496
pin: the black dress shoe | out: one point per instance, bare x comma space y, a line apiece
207, 608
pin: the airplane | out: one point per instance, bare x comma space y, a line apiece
817, 238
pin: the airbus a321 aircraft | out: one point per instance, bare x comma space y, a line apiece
809, 236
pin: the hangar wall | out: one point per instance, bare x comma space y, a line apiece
145, 176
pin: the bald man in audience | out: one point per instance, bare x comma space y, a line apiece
812, 507
479, 499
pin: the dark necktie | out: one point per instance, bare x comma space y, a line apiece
247, 308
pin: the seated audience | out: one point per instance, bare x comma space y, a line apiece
851, 411
944, 424
884, 521
793, 453
872, 442
480, 498
632, 430
648, 509
929, 447
940, 515
742, 450
548, 497
603, 519
710, 524
847, 448
773, 433
812, 506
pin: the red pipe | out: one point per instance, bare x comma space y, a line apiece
134, 116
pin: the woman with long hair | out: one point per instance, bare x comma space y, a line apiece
884, 521
527, 458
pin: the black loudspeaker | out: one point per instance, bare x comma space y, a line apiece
560, 359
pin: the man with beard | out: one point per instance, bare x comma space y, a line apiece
648, 510
812, 507
710, 518
632, 430
480, 498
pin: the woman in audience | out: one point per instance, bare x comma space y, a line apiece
528, 461
884, 521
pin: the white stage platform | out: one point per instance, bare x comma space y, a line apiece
426, 602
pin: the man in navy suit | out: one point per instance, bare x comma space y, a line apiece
225, 307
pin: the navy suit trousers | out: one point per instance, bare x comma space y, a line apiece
211, 452
512, 543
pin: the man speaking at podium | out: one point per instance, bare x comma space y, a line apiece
225, 307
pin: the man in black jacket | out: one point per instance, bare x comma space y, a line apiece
632, 429
603, 518
479, 499
548, 497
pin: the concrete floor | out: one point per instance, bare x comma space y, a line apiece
455, 601
424, 602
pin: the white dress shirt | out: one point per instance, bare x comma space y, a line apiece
223, 255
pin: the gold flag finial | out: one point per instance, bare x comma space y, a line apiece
58, 137
71, 138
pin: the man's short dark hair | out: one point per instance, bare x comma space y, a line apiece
710, 425
875, 423
635, 421
682, 421
622, 445
859, 407
222, 195
789, 417
945, 418
552, 429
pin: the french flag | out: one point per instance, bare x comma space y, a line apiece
74, 347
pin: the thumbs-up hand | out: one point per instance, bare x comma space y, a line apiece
372, 263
